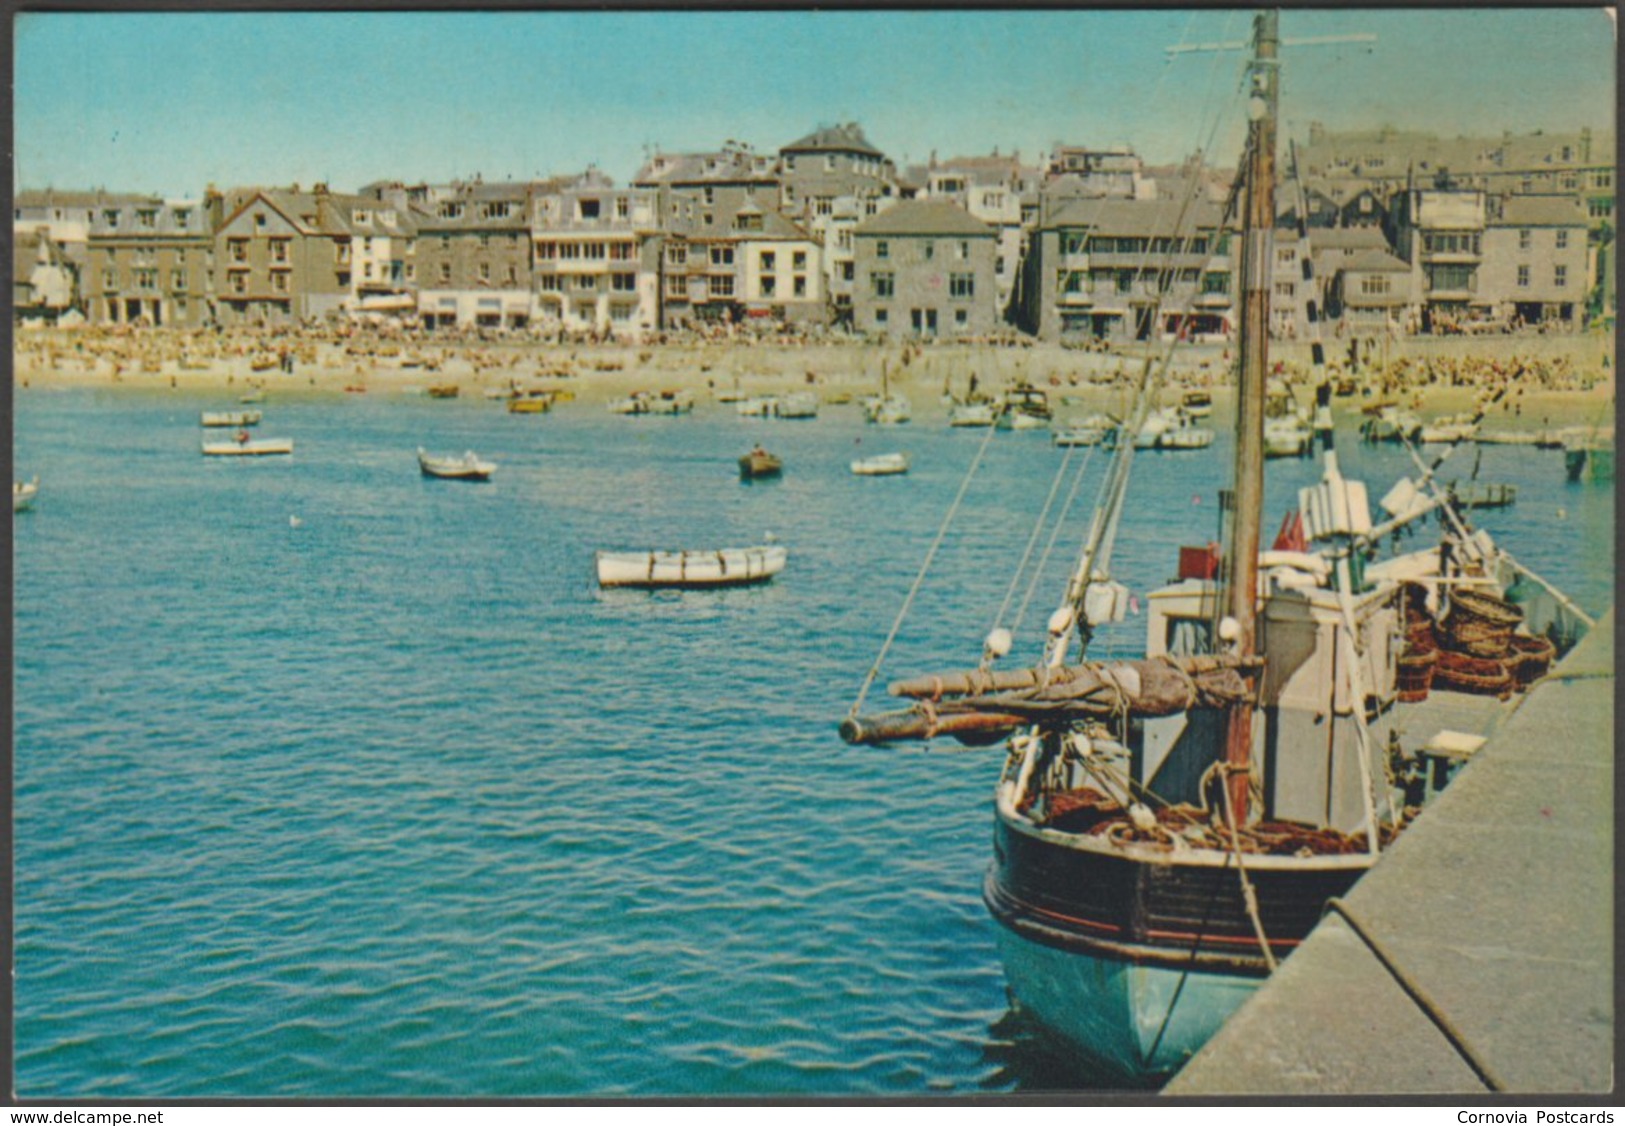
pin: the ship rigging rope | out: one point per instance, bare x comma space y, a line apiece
1032, 539
925, 567
1054, 537
1417, 994
1248, 895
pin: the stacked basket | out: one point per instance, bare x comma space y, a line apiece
1421, 654
1476, 644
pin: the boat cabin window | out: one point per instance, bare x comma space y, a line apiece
1188, 637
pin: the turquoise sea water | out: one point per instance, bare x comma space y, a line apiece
396, 802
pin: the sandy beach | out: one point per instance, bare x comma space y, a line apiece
1565, 380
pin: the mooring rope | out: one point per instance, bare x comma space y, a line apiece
925, 567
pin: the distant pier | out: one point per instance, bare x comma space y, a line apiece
1486, 961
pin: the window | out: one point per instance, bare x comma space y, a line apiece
769, 285
1562, 240
361, 218
279, 250
570, 251
800, 286
279, 283
485, 271
1072, 281
445, 273
237, 249
722, 285
497, 210
549, 283
239, 283
1374, 285
587, 208
1125, 281
847, 271
411, 271
1286, 290
676, 286
623, 283
962, 251
146, 218
177, 279
1601, 208
1523, 277
109, 279
621, 207
961, 285
341, 253
928, 250
882, 249
1286, 255
798, 260
1560, 276
824, 205
769, 261
1602, 179
594, 251
1569, 181
709, 196
621, 251
485, 241
587, 282
677, 254
829, 162
722, 256
747, 222
1454, 278
962, 317
1524, 238
259, 220
547, 251
882, 285
880, 316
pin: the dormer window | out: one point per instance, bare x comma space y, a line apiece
183, 219
587, 208
451, 211
496, 210
111, 219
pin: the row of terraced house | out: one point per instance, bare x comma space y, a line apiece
1379, 231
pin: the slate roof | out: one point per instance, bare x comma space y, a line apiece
925, 217
1540, 211
835, 138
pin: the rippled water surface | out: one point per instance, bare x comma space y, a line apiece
396, 802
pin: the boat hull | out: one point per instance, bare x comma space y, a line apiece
264, 447
1097, 939
740, 566
1134, 1024
885, 465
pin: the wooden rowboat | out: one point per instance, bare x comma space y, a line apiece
468, 467
733, 566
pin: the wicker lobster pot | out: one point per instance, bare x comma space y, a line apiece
1414, 675
1531, 658
1480, 676
1480, 624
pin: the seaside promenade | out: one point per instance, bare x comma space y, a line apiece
1497, 911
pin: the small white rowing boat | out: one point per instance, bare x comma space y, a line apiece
231, 418
466, 468
23, 494
731, 566
246, 447
881, 465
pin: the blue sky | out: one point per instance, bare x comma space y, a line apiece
169, 102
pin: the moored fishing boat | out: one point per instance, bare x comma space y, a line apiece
1167, 829
1024, 407
881, 465
983, 413
23, 494
735, 566
1287, 436
244, 446
468, 467
231, 418
759, 463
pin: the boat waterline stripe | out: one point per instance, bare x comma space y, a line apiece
1247, 942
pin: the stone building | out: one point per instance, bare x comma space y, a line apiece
830, 181
151, 262
597, 257
925, 268
470, 261
1535, 260
287, 255
1440, 232
993, 189
760, 265
1122, 269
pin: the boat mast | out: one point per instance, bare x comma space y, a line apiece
1258, 221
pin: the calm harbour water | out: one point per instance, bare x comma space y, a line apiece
396, 802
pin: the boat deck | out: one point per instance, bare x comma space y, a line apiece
1497, 906
1418, 723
